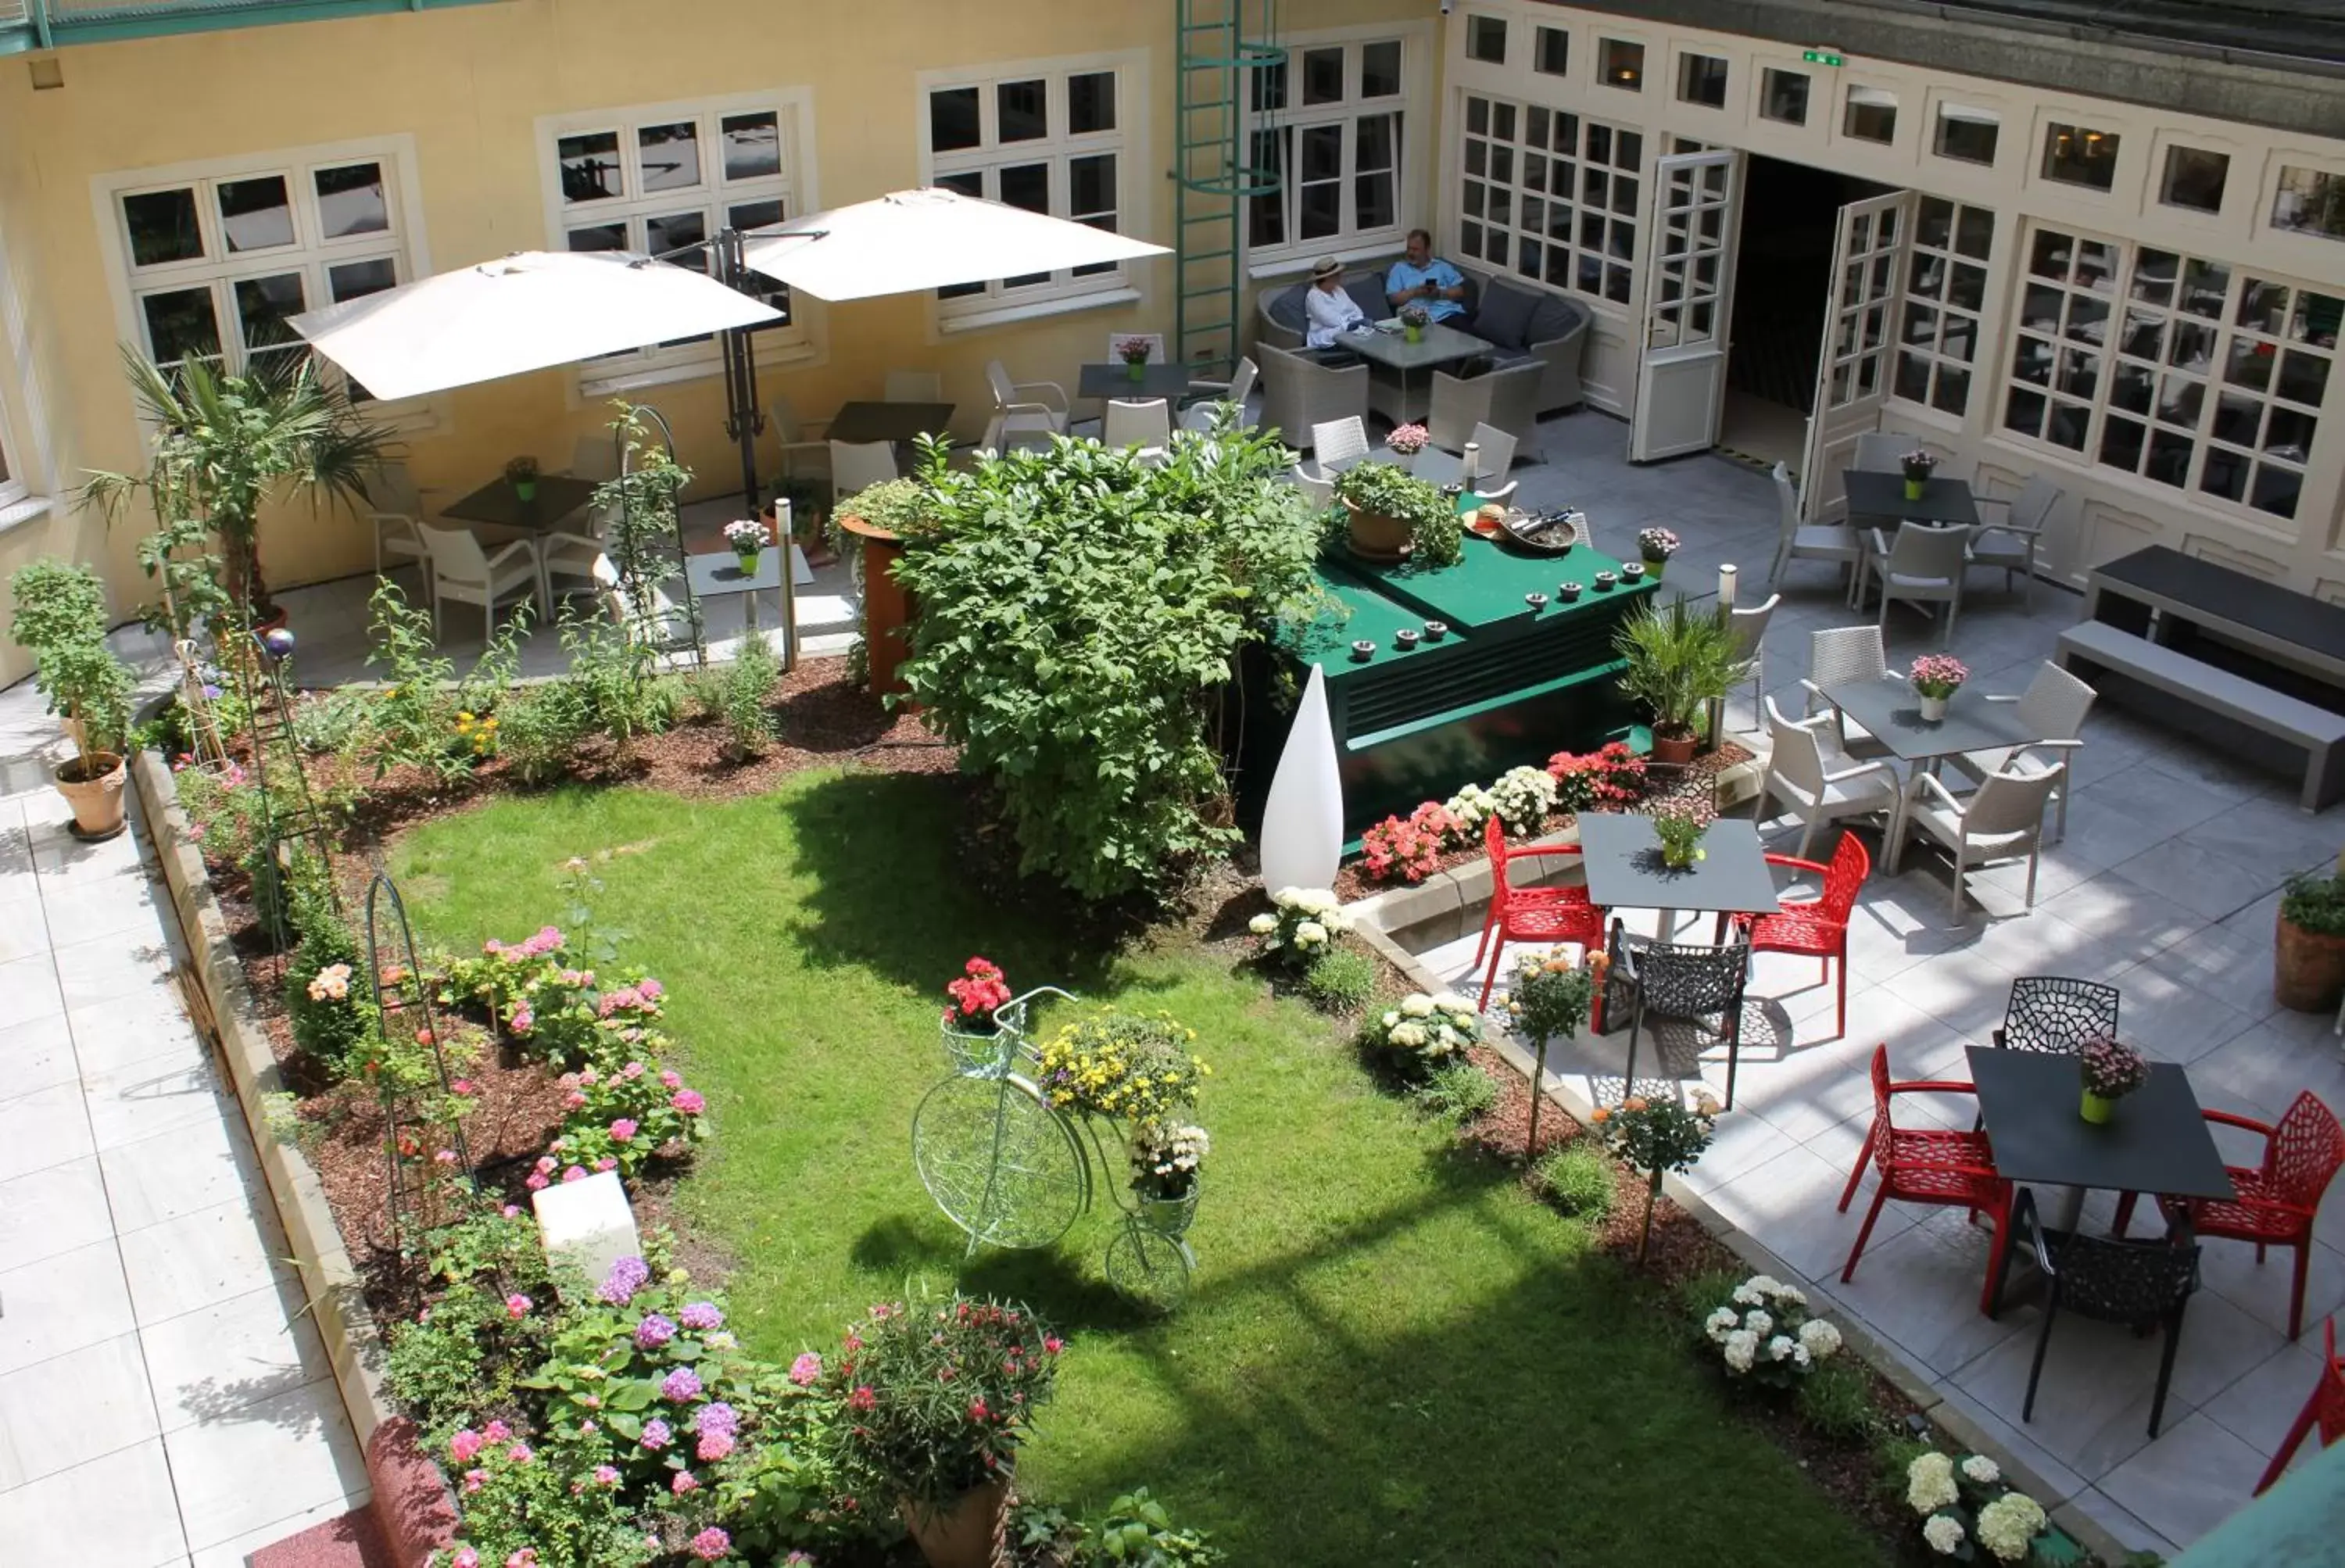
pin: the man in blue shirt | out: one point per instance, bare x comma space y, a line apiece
1421, 278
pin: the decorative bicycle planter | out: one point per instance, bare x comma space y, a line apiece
1014, 1171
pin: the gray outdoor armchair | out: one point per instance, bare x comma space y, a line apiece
1298, 392
1506, 398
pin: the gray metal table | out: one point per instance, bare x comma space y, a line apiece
2292, 629
1164, 381
2156, 1142
1882, 498
556, 496
1892, 710
868, 422
713, 576
1621, 857
1438, 345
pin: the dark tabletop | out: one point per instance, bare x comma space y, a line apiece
1623, 862
1115, 380
1883, 496
866, 422
2157, 1141
2231, 595
1892, 710
558, 495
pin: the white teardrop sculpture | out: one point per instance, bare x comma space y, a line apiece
1303, 825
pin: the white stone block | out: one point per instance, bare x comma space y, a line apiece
587, 1224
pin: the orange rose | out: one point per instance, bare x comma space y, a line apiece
1634, 1103
1600, 1115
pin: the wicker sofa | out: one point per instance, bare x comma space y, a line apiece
1521, 323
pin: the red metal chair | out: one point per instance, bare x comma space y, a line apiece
1953, 1169
2277, 1199
1551, 915
1816, 927
2326, 1407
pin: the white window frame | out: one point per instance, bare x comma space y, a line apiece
1409, 109
310, 254
1923, 290
2285, 161
1063, 291
1619, 213
714, 197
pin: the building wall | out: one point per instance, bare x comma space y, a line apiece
461, 93
2109, 512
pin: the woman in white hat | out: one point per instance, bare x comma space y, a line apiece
1328, 312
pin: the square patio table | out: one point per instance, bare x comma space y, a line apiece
714, 575
2156, 1142
1621, 857
1164, 381
1892, 710
499, 505
1881, 497
1438, 345
868, 422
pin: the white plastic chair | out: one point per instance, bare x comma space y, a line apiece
1924, 566
1809, 541
464, 571
1146, 424
1878, 452
1838, 656
571, 556
2012, 542
1200, 416
1016, 415
790, 434
395, 509
1816, 788
859, 464
915, 386
669, 626
2002, 821
2053, 709
1750, 629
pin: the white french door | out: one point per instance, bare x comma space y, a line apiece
1853, 370
1689, 304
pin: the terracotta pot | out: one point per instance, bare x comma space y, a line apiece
967, 1534
1375, 534
887, 607
1675, 751
2308, 969
96, 799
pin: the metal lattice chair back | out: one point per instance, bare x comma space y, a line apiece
1687, 980
2123, 1281
2307, 1148
2055, 1013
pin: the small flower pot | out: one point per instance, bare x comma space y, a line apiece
2308, 969
1377, 536
1137, 370
1674, 750
977, 1054
746, 560
2097, 1108
1933, 709
966, 1533
1412, 333
1913, 488
95, 794
525, 489
1655, 565
1171, 1216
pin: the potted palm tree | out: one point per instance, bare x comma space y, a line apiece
1680, 661
60, 620
224, 446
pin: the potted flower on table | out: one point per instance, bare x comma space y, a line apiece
1656, 545
1936, 677
2111, 1070
1135, 353
748, 538
1918, 465
1680, 833
521, 475
1414, 320
1408, 440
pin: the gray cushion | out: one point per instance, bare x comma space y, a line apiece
1504, 315
1551, 321
1367, 290
1287, 309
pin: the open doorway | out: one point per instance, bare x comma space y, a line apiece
1782, 284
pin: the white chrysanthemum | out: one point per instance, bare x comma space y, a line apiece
1983, 1469
1310, 933
1759, 1322
1822, 1339
1741, 1347
1781, 1347
2008, 1525
1930, 1483
1719, 1324
1262, 925
1944, 1531
1417, 1004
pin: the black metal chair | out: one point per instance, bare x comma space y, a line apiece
2052, 1013
1679, 980
2145, 1283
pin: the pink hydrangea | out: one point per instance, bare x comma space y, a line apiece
526, 1557
575, 1173
702, 1316
684, 1482
537, 1182
463, 1086
654, 1331
711, 1543
605, 1476
496, 1432
546, 1164
688, 1101
574, 1101
656, 1435
475, 1479
632, 1071
623, 1130
806, 1370
715, 1446
523, 1020
464, 1445
520, 1453
465, 1558
671, 1079
607, 1163
680, 1384
517, 1305
513, 1211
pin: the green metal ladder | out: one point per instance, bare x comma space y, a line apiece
1219, 56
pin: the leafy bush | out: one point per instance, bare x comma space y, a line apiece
1679, 659
1435, 535
1578, 1179
1837, 1401
1081, 616
1122, 1064
1304, 925
1458, 1090
327, 997
2315, 901
1341, 982
1420, 1031
540, 731
1609, 779
1138, 1532
412, 721
898, 505
1763, 1332
748, 681
57, 604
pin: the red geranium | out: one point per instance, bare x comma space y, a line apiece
1408, 846
976, 994
1602, 781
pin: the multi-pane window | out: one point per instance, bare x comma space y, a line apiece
1551, 196
2194, 177
1047, 141
2079, 154
2195, 373
1328, 123
1946, 284
664, 182
2309, 201
216, 265
1783, 96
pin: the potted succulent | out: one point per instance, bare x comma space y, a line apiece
2111, 1070
1936, 677
1393, 512
2308, 954
1414, 320
934, 1400
1134, 352
1917, 465
521, 475
60, 620
1680, 661
1656, 545
747, 537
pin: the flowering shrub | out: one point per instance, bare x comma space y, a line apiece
1765, 1334
1656, 543
1522, 797
936, 1399
327, 999
1408, 439
1166, 1161
1655, 1137
1409, 847
1306, 923
1938, 674
1470, 809
2112, 1069
1548, 994
622, 1118
1124, 1065
1966, 1501
1605, 779
1424, 1030
978, 993
551, 1001
746, 536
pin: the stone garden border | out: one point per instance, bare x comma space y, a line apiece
1448, 905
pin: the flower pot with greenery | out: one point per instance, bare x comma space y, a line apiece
1917, 466
1680, 833
1134, 352
2111, 1070
1408, 440
1680, 661
1655, 546
60, 620
1936, 677
521, 475
2308, 952
1414, 320
973, 1034
1168, 1174
747, 537
1394, 514
934, 1400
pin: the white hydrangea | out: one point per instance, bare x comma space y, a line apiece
1408, 1036
1523, 796
1983, 1469
1391, 1018
1417, 1004
1944, 1531
1822, 1340
1262, 925
2007, 1526
1450, 1002
1930, 1483
1759, 1322
1782, 1347
1755, 1291
1310, 933
1741, 1347
1472, 805
1719, 1324
1789, 1296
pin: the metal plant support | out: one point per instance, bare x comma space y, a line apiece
401, 992
268, 705
699, 643
1013, 1171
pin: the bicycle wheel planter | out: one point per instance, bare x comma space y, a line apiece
1150, 1267
1003, 1164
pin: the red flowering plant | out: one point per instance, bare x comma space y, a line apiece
1609, 779
977, 995
1408, 847
935, 1399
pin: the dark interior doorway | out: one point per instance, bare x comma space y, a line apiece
1782, 273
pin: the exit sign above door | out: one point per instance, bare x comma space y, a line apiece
1822, 56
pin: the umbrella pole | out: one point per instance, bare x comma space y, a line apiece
745, 422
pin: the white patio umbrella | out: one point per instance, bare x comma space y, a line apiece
926, 239
520, 312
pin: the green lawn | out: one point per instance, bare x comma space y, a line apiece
1391, 1355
